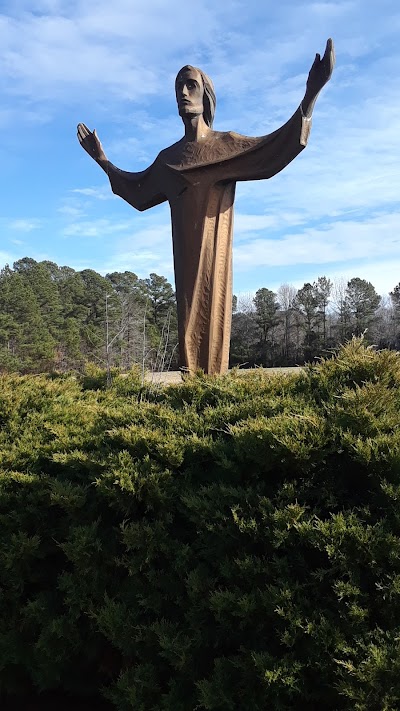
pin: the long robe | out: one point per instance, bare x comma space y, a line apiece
198, 178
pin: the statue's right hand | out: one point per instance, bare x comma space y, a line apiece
90, 142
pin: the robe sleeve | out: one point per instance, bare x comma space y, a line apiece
141, 190
270, 154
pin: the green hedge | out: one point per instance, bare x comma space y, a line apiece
229, 543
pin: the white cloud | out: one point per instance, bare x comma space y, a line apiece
7, 258
71, 211
383, 274
339, 241
99, 193
249, 223
96, 228
24, 225
122, 48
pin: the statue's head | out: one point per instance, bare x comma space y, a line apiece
195, 94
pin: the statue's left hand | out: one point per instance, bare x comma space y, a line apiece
321, 70
90, 141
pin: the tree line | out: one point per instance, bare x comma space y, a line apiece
294, 326
56, 318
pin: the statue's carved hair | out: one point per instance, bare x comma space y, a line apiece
209, 98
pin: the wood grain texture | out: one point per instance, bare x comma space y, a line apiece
198, 179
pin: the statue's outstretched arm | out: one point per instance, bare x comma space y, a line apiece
264, 157
319, 75
138, 189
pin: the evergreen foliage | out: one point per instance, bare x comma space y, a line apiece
54, 318
231, 543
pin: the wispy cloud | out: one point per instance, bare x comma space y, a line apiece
24, 225
99, 193
7, 258
341, 241
97, 228
71, 211
18, 242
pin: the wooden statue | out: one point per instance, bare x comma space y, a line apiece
198, 175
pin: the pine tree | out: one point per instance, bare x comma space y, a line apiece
307, 304
161, 333
160, 297
323, 289
362, 301
28, 343
267, 318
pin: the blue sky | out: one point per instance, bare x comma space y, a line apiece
334, 211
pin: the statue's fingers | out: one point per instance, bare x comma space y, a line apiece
329, 55
333, 55
315, 62
83, 131
329, 62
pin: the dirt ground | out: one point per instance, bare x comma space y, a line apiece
174, 376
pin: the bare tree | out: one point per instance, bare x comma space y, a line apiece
341, 309
245, 303
286, 296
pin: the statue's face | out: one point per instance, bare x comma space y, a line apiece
189, 93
